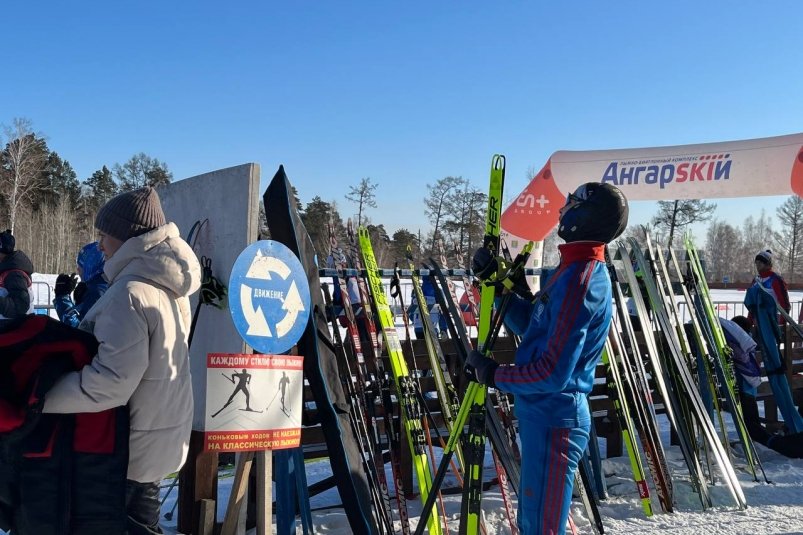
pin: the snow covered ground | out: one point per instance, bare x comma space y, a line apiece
775, 508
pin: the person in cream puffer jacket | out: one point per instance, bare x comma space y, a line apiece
141, 323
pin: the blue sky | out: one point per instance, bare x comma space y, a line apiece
404, 93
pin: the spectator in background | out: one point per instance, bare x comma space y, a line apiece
748, 373
89, 264
744, 358
771, 281
438, 322
16, 294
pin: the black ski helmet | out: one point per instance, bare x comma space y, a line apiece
599, 214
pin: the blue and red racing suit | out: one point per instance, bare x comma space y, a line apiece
563, 333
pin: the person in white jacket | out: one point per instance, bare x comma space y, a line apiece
141, 323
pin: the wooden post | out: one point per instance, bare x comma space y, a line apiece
238, 492
787, 354
264, 492
206, 523
197, 481
240, 489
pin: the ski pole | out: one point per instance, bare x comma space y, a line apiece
169, 515
169, 490
472, 392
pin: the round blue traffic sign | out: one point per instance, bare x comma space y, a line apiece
269, 297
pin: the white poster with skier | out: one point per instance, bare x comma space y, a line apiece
253, 402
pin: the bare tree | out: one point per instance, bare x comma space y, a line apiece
436, 201
141, 170
465, 218
362, 195
679, 214
757, 235
723, 248
21, 165
790, 237
639, 233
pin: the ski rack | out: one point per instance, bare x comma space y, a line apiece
423, 272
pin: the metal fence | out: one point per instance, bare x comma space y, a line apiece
729, 309
43, 299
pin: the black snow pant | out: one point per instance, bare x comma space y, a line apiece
143, 508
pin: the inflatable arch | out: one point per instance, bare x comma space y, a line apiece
748, 168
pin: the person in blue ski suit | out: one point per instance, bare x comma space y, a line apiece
563, 332
414, 311
89, 264
773, 282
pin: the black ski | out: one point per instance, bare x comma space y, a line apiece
320, 364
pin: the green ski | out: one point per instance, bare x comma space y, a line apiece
411, 414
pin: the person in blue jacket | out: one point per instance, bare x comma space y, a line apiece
89, 264
563, 331
414, 312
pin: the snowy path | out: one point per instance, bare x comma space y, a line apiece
773, 509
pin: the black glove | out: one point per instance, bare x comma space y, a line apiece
484, 263
480, 368
79, 293
516, 282
65, 284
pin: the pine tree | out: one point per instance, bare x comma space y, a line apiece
316, 218
59, 181
363, 195
99, 188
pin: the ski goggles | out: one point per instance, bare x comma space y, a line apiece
579, 195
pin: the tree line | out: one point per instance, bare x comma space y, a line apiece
51, 213
48, 209
730, 250
454, 207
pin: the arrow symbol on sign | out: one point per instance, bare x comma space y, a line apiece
293, 305
257, 324
261, 267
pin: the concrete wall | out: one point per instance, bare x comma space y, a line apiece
229, 199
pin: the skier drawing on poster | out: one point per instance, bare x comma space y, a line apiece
242, 381
283, 382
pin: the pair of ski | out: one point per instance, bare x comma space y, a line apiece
411, 401
670, 365
500, 429
412, 420
473, 404
366, 392
630, 393
714, 350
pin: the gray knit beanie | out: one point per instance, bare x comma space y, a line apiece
131, 214
765, 256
